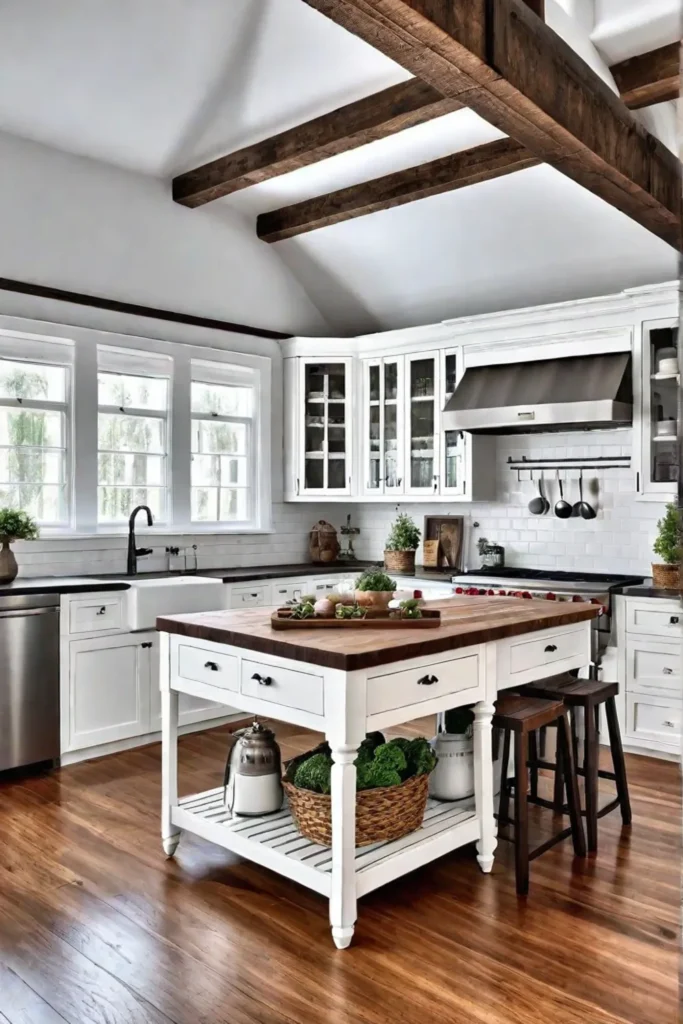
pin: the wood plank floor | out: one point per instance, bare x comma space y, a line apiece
96, 926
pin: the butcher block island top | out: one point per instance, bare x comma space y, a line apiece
464, 621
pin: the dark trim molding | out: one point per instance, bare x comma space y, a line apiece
44, 292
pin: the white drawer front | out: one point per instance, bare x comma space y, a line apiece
541, 654
653, 666
653, 720
411, 686
98, 612
290, 590
649, 618
203, 666
283, 686
250, 597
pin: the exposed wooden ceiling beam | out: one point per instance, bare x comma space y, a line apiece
652, 77
374, 117
450, 172
500, 59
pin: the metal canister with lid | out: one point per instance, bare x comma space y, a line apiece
252, 779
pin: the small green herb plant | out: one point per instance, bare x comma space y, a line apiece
378, 764
17, 525
669, 542
375, 579
404, 535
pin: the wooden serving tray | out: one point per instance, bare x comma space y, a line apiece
375, 619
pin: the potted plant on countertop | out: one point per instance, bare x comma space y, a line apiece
374, 589
669, 546
401, 545
14, 525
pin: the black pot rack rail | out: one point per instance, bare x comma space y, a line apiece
595, 462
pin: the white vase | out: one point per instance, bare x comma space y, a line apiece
453, 777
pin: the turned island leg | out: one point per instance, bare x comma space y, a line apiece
343, 895
170, 833
483, 784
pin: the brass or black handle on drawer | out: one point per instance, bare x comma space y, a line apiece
674, 620
262, 680
669, 724
550, 648
147, 643
102, 610
253, 595
427, 681
668, 671
212, 665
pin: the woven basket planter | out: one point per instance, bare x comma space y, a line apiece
666, 577
381, 814
400, 562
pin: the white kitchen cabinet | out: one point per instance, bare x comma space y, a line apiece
325, 434
422, 423
383, 442
109, 689
655, 388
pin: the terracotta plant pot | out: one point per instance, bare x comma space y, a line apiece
666, 576
373, 598
401, 562
8, 563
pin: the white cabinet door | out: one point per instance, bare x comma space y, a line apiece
453, 472
655, 410
325, 427
422, 422
383, 426
109, 689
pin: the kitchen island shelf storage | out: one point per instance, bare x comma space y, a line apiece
345, 685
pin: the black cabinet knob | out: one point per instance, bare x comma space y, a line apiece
427, 681
550, 648
212, 665
102, 610
262, 680
674, 620
147, 643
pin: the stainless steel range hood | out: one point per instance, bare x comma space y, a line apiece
575, 393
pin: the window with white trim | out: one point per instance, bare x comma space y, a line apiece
223, 410
35, 383
132, 454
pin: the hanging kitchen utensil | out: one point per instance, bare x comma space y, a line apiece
539, 505
583, 508
563, 509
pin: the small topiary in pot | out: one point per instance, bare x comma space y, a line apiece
14, 525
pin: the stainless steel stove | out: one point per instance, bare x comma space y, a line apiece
550, 585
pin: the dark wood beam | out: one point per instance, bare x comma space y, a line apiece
652, 77
450, 172
374, 117
537, 6
77, 298
500, 59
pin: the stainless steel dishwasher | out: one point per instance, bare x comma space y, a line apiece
29, 679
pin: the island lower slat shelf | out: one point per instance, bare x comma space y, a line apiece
275, 842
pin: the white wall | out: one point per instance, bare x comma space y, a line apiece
73, 223
619, 539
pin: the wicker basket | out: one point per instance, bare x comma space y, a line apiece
381, 814
666, 577
400, 562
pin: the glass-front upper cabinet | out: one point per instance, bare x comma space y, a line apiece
383, 425
326, 430
423, 413
659, 452
452, 441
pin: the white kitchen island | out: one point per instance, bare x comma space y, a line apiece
345, 684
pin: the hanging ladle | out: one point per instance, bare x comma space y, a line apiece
583, 508
563, 509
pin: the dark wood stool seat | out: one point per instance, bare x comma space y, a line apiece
587, 694
521, 716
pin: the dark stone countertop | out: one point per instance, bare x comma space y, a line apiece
648, 591
60, 585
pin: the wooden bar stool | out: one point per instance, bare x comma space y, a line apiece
523, 716
587, 694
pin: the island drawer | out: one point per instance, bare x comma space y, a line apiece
654, 720
202, 666
391, 690
95, 613
541, 653
653, 666
284, 686
650, 618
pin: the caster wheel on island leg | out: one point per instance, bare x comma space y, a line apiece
171, 844
342, 937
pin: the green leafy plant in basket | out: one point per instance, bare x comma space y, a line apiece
375, 579
378, 764
668, 544
404, 534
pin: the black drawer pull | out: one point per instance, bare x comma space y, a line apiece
674, 620
212, 665
102, 610
668, 671
550, 648
427, 681
262, 680
148, 643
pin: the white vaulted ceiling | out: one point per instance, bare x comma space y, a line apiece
160, 86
